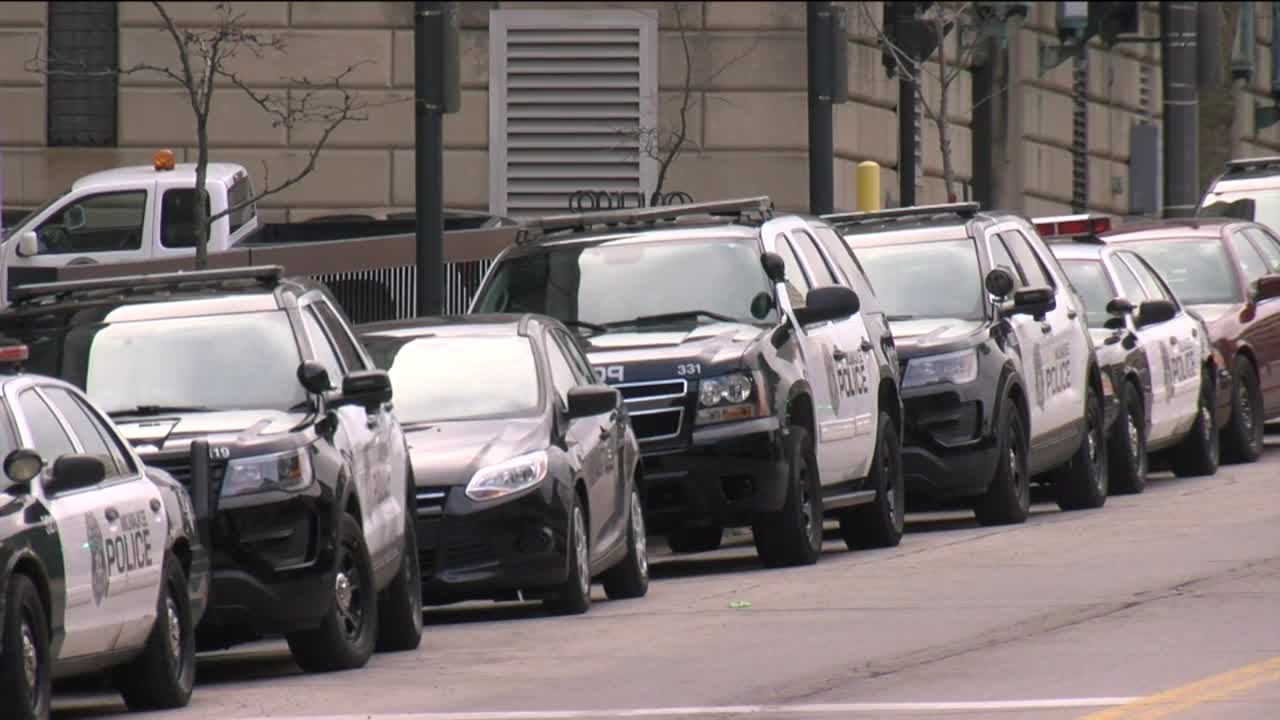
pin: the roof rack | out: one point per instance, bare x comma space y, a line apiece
265, 275
965, 210
741, 209
1257, 163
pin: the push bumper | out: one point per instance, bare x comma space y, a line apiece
949, 447
727, 475
469, 550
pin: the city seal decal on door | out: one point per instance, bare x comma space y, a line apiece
97, 558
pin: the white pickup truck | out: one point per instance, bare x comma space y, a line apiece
141, 218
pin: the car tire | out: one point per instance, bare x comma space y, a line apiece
345, 638
879, 524
1242, 437
695, 539
1128, 445
163, 675
1082, 483
1008, 498
793, 535
400, 604
25, 665
630, 578
573, 597
1198, 452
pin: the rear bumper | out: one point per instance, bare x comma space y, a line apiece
725, 477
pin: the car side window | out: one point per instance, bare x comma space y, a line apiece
1154, 289
178, 218
823, 273
96, 223
1129, 284
1001, 257
577, 358
562, 374
844, 257
325, 354
796, 282
1267, 245
92, 438
1251, 262
341, 339
1033, 269
48, 435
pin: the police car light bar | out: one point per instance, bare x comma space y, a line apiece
1071, 225
132, 284
11, 354
1257, 163
741, 206
964, 210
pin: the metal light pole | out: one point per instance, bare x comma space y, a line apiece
428, 77
1181, 108
821, 152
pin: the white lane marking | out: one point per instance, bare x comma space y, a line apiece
815, 709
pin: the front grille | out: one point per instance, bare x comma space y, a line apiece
656, 408
431, 501
179, 466
473, 553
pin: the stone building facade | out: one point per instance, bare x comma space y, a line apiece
596, 77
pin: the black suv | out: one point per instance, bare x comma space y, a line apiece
759, 393
228, 377
1000, 381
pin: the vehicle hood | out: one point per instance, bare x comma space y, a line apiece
654, 354
231, 427
1212, 313
449, 453
932, 335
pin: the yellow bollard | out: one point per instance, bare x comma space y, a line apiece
868, 186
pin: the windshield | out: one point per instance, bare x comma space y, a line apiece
939, 279
1089, 278
1197, 271
434, 378
246, 361
1261, 206
7, 228
617, 283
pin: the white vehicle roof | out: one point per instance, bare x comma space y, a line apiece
181, 174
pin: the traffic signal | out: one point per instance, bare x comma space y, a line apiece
908, 32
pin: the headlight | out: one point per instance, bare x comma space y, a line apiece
288, 471
954, 367
505, 478
729, 397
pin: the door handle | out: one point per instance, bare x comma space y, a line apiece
1071, 313
1173, 341
1046, 328
839, 355
111, 514
605, 432
866, 345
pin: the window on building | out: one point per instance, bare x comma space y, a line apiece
81, 101
571, 95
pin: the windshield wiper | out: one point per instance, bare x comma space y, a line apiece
667, 317
159, 410
597, 329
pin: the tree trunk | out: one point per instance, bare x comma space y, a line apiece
944, 137
1217, 106
200, 219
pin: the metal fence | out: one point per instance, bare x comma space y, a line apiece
390, 293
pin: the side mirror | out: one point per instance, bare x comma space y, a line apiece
999, 282
72, 472
833, 302
369, 388
589, 400
1033, 301
1119, 306
23, 465
28, 244
1152, 312
1266, 288
774, 267
314, 377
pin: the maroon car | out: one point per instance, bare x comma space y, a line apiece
1228, 272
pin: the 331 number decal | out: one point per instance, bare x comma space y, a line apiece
689, 369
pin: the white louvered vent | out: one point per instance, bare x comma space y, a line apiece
569, 95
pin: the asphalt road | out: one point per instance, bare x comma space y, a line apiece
1168, 601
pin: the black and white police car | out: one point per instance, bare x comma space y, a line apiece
101, 566
1158, 354
257, 384
1000, 383
758, 393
